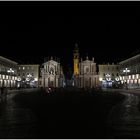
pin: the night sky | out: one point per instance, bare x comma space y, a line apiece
109, 32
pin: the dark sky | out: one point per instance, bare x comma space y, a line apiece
109, 32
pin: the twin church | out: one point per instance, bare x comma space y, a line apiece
84, 72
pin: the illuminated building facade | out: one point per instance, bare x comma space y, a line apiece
85, 75
109, 75
88, 77
52, 74
28, 75
130, 72
8, 73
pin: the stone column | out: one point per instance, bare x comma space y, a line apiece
46, 82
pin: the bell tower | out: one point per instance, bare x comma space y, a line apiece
76, 59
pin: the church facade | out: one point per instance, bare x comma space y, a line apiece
52, 74
85, 75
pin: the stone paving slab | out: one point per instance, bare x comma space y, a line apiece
15, 122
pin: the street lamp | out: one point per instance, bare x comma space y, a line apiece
126, 70
10, 71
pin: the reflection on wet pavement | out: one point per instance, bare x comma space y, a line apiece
15, 122
124, 119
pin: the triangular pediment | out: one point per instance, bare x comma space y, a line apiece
86, 61
51, 62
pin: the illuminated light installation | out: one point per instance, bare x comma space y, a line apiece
126, 71
108, 77
18, 79
30, 80
117, 79
27, 79
18, 82
10, 70
108, 80
100, 79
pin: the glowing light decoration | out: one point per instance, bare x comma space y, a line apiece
27, 79
100, 79
117, 79
19, 79
108, 77
29, 75
126, 70
10, 70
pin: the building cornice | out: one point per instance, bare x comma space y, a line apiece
7, 60
134, 57
28, 65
